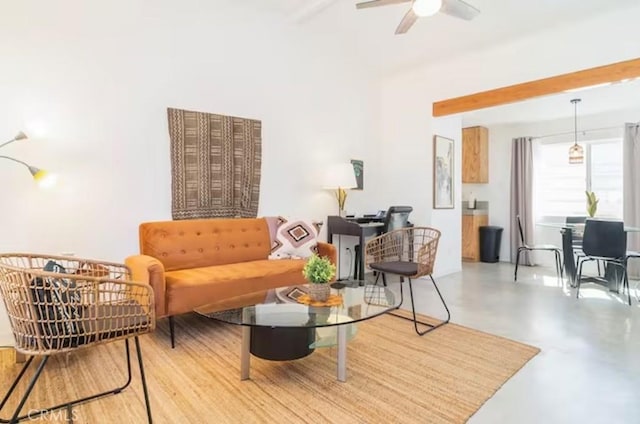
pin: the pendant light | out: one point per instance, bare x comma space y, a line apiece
576, 152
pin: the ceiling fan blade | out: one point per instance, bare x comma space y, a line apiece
407, 22
376, 3
459, 9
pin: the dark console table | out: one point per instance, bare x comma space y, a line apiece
361, 228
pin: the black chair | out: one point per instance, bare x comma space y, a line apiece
528, 248
395, 218
576, 238
605, 241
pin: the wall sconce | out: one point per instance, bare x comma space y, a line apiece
42, 177
339, 178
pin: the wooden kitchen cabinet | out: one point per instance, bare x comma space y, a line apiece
471, 236
475, 155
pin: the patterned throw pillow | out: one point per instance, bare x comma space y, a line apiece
295, 239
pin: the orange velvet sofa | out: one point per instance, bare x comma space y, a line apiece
191, 263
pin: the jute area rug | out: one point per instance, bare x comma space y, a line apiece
394, 376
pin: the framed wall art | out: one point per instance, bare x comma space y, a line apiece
358, 170
443, 188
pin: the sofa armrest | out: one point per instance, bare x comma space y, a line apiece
328, 250
149, 270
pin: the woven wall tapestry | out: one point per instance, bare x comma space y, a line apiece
215, 165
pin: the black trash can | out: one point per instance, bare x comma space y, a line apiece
490, 237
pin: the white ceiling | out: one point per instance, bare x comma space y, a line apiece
370, 32
369, 35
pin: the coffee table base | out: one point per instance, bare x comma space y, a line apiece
281, 344
247, 349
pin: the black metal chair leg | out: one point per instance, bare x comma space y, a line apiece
15, 383
626, 283
384, 279
558, 263
143, 378
32, 383
515, 275
67, 405
579, 277
415, 320
172, 333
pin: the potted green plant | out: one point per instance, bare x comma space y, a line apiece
592, 203
318, 271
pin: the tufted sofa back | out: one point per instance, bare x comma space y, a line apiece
205, 242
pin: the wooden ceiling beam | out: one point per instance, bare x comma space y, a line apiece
542, 87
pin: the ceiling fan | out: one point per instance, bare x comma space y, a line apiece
423, 8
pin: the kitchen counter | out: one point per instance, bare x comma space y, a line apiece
467, 211
482, 208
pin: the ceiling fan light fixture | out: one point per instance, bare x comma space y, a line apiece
424, 8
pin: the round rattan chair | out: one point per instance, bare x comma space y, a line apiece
410, 253
59, 304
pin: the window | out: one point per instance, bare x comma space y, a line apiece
559, 187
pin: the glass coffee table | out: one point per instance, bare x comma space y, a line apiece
276, 327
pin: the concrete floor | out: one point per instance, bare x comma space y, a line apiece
588, 370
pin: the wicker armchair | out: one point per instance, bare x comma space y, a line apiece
58, 304
410, 253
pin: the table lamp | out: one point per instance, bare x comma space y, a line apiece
340, 177
42, 177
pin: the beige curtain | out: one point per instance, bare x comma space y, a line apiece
215, 165
521, 196
631, 185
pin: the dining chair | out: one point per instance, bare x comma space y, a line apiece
524, 247
58, 304
605, 241
410, 253
576, 238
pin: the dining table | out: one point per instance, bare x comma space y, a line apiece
612, 275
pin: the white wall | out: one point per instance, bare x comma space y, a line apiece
407, 127
91, 81
95, 84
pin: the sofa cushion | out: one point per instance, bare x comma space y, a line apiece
205, 242
295, 238
190, 288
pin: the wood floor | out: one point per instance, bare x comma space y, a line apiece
393, 376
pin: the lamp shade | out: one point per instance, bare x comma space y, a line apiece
340, 176
43, 178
